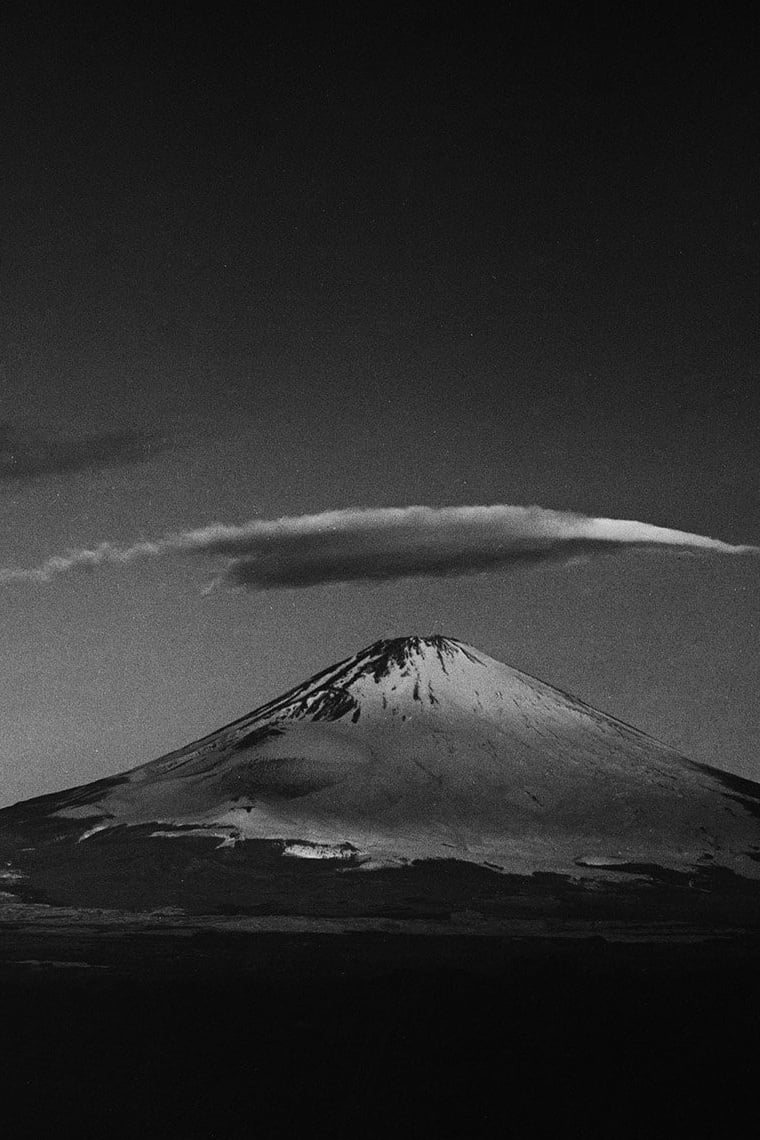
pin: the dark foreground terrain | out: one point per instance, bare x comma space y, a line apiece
157, 1029
176, 988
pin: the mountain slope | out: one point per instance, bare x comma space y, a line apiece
420, 749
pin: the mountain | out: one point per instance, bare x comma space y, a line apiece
416, 752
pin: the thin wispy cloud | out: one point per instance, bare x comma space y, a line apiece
383, 544
28, 453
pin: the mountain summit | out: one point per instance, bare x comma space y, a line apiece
424, 748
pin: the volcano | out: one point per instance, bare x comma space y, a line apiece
416, 753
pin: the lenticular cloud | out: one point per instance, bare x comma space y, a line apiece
382, 544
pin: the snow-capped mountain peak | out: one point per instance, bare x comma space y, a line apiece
387, 674
413, 672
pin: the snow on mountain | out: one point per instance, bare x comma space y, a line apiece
425, 748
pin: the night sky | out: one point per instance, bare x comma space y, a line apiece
257, 266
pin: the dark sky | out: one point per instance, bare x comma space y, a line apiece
262, 265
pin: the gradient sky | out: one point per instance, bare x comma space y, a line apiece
274, 267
